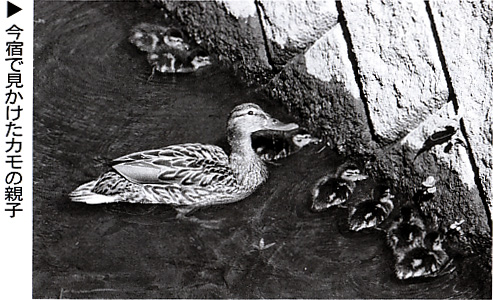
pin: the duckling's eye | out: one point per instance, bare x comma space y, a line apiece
250, 112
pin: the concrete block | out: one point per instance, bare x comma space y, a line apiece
466, 35
398, 63
458, 197
292, 26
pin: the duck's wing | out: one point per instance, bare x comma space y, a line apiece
185, 164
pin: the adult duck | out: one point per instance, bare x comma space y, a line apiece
330, 191
189, 176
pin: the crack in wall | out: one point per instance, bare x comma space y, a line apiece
268, 51
354, 62
453, 98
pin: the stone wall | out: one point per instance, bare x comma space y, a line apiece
377, 79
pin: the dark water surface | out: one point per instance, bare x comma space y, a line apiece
93, 103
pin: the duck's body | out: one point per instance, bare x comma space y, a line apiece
330, 191
429, 260
188, 176
373, 212
275, 146
406, 233
168, 50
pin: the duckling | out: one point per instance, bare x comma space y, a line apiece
154, 38
331, 191
178, 61
372, 212
407, 232
429, 260
192, 175
274, 146
168, 50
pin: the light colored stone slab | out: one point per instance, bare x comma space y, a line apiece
457, 158
292, 26
327, 59
398, 62
447, 161
298, 23
466, 35
240, 9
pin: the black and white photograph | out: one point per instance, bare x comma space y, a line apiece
248, 149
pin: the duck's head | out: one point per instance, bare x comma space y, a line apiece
350, 172
248, 118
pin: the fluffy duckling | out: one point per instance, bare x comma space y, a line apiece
274, 146
178, 61
331, 191
372, 212
153, 38
407, 232
429, 260
168, 51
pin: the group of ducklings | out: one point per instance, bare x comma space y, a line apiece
168, 49
335, 190
193, 175
417, 246
416, 241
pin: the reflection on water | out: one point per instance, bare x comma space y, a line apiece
93, 103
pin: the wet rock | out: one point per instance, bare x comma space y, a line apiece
455, 169
466, 35
398, 64
319, 87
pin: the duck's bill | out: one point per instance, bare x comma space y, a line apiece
277, 125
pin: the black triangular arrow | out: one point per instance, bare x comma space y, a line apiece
12, 9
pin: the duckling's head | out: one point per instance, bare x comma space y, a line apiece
175, 39
382, 193
248, 118
200, 58
433, 240
351, 172
300, 140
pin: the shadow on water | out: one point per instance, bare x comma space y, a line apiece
93, 103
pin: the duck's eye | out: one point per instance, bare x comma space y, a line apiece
250, 112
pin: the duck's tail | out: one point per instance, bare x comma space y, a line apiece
85, 194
